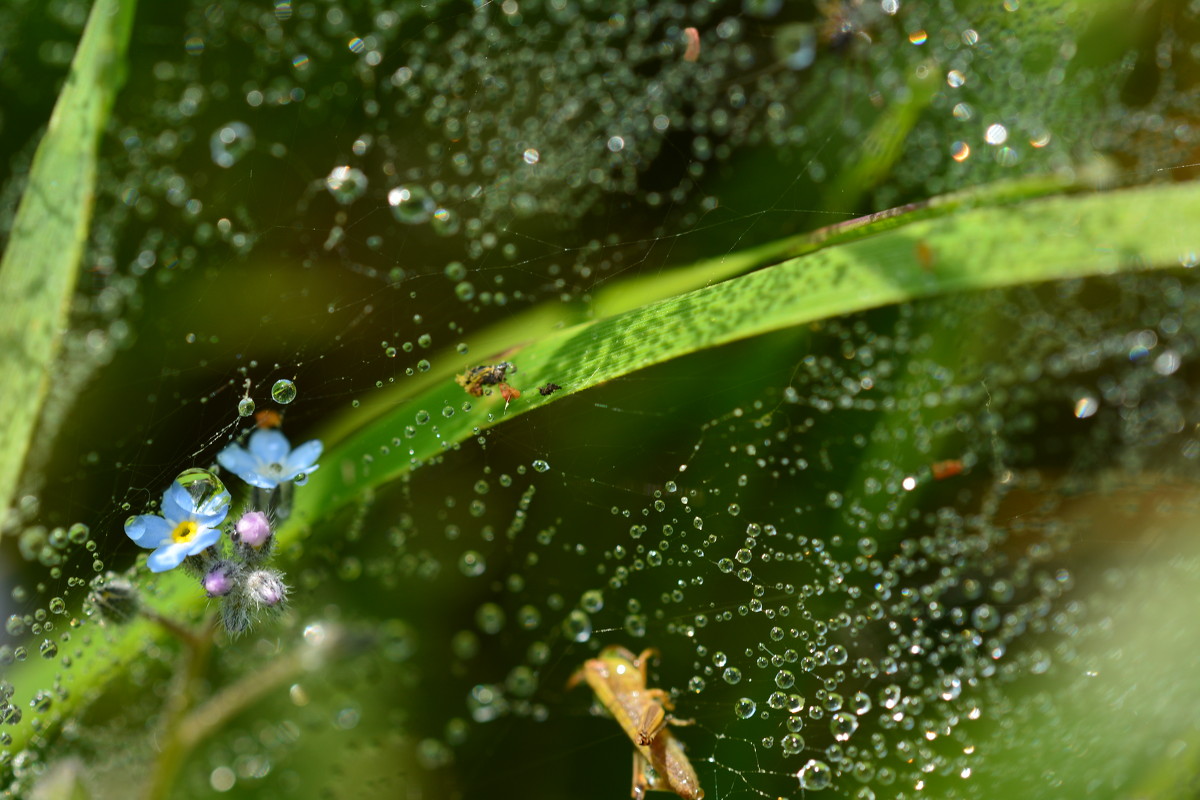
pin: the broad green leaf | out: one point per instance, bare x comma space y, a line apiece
42, 259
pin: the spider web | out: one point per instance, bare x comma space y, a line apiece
873, 558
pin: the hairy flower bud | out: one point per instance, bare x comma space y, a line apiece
266, 588
220, 579
253, 529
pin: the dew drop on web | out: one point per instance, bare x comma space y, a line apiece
283, 391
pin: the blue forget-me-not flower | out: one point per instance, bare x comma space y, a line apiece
269, 460
187, 525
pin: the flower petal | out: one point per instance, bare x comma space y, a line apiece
304, 458
148, 530
169, 556
237, 460
177, 504
269, 446
309, 470
259, 480
213, 510
204, 539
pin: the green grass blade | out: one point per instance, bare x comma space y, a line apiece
980, 248
41, 262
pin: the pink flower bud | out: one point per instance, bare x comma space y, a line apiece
253, 529
218, 582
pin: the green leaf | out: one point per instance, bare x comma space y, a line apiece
980, 248
41, 263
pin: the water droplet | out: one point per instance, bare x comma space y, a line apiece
592, 601
528, 617
412, 204
445, 222
843, 725
815, 775
540, 466
245, 407
472, 564
732, 675
207, 492
48, 649
346, 184
744, 708
78, 533
577, 626
230, 142
490, 618
283, 391
985, 618
792, 744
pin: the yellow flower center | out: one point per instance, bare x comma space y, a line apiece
184, 532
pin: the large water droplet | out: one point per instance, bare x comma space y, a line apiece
283, 392
744, 708
843, 725
592, 601
412, 204
577, 626
208, 494
346, 184
815, 775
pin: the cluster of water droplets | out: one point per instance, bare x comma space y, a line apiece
843, 577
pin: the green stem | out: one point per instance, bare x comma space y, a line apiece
175, 744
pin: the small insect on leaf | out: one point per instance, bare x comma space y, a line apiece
474, 379
618, 678
508, 393
548, 389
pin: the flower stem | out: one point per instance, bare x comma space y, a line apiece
173, 746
